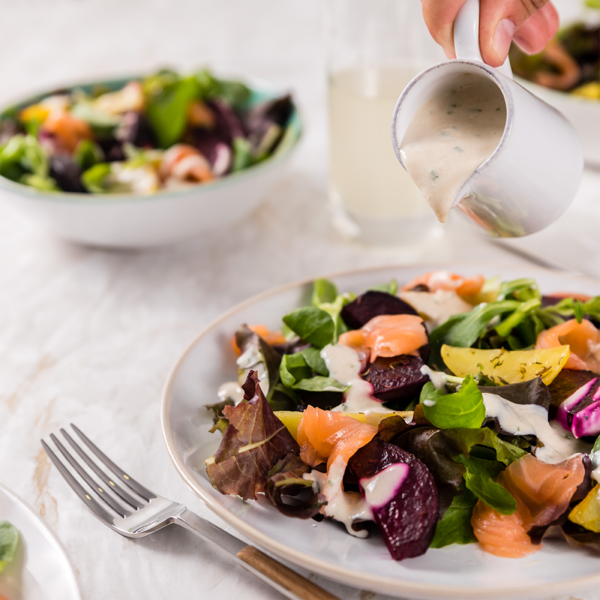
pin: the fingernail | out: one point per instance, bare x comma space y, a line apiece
503, 37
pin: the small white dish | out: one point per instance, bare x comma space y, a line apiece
41, 570
145, 220
456, 572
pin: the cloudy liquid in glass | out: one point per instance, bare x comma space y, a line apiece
366, 181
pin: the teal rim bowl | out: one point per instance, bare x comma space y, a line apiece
260, 91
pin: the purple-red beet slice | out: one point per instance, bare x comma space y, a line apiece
396, 378
407, 522
373, 304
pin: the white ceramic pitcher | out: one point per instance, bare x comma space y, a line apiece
534, 173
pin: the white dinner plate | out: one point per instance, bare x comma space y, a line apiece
459, 572
41, 570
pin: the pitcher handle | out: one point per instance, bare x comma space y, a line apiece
466, 36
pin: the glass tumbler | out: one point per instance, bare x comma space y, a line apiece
375, 47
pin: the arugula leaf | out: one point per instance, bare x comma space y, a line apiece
455, 526
9, 541
517, 317
479, 478
519, 289
168, 97
463, 409
312, 324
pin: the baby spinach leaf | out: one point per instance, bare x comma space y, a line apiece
323, 291
463, 409
320, 384
465, 439
293, 368
9, 541
314, 360
168, 97
455, 526
312, 324
388, 288
479, 478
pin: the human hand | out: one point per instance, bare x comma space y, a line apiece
530, 23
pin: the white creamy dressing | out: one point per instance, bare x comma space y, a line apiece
382, 487
345, 507
253, 359
451, 135
438, 378
231, 391
436, 307
344, 366
532, 419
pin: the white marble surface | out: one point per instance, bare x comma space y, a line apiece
89, 336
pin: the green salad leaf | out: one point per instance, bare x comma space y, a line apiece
313, 359
325, 296
296, 373
388, 288
479, 478
323, 291
466, 439
9, 542
455, 526
95, 179
312, 324
168, 96
87, 154
242, 154
463, 409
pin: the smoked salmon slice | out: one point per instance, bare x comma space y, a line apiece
450, 282
388, 335
324, 435
543, 493
583, 339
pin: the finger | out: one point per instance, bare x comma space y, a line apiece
439, 18
535, 33
498, 23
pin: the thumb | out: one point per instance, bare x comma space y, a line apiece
532, 23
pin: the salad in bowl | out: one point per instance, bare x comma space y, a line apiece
161, 132
455, 410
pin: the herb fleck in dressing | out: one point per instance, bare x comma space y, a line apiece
450, 136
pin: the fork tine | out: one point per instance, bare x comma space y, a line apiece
87, 499
132, 483
120, 510
134, 503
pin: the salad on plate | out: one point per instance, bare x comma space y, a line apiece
164, 131
454, 410
9, 542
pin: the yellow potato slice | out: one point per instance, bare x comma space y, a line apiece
505, 366
587, 512
291, 419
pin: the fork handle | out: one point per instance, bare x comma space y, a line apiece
287, 582
286, 578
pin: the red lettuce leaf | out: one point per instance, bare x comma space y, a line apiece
254, 441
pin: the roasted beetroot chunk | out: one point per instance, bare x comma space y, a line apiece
396, 378
372, 304
407, 521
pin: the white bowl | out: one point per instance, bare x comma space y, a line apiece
136, 220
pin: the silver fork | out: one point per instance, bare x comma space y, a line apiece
134, 511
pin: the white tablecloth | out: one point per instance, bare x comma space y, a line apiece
89, 336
